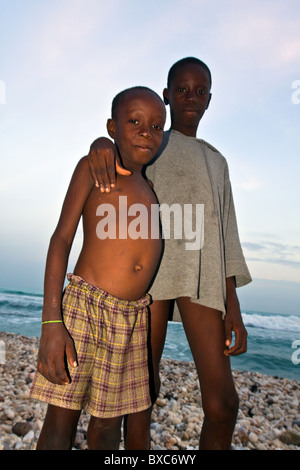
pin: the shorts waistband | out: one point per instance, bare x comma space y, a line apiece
97, 292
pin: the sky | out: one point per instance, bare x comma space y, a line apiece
63, 61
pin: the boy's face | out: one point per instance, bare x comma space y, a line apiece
138, 128
189, 96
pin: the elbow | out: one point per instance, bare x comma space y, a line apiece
58, 239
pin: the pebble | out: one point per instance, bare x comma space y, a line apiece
290, 437
268, 418
21, 428
253, 437
28, 437
9, 413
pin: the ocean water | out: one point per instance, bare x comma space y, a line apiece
273, 338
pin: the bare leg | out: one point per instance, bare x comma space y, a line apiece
204, 329
104, 434
59, 429
137, 425
137, 430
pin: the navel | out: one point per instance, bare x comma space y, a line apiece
138, 267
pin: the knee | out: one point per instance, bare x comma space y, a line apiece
55, 441
104, 434
222, 408
59, 429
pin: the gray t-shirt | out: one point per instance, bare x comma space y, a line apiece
194, 176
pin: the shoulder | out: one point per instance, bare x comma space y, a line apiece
209, 147
82, 164
82, 178
213, 153
82, 169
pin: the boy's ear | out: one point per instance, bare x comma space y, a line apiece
208, 101
166, 96
110, 126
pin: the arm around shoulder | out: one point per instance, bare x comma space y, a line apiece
104, 163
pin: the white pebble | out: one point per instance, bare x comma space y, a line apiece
10, 414
28, 437
253, 437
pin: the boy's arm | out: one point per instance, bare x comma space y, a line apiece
237, 273
104, 163
234, 322
55, 340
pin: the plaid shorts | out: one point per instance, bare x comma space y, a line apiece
110, 336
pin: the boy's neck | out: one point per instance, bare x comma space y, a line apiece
188, 131
134, 168
130, 165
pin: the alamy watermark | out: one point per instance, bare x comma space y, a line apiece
2, 352
2, 92
296, 93
296, 354
188, 222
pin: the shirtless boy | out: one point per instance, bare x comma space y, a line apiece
93, 348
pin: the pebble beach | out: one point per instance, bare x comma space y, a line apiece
268, 419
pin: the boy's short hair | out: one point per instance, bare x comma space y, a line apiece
119, 98
187, 60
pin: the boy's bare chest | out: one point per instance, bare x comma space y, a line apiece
128, 196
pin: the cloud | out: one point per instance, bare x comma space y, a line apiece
290, 51
66, 30
263, 34
273, 252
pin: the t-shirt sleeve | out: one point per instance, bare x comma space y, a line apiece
235, 264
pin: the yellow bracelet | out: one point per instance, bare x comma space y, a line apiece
51, 321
